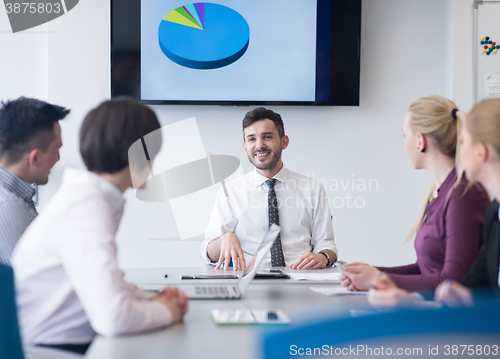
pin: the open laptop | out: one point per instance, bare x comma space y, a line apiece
235, 291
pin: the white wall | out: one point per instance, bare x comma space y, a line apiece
405, 54
23, 60
461, 64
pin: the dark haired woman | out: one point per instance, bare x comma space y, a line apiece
68, 284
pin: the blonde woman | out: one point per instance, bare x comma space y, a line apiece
480, 155
448, 227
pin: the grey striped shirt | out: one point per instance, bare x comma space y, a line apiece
17, 211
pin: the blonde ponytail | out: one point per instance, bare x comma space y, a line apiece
435, 116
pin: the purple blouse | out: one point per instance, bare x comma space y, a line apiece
449, 238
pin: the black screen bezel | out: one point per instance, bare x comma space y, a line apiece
344, 64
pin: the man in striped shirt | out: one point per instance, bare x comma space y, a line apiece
30, 138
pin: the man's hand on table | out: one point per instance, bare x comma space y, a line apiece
310, 261
230, 248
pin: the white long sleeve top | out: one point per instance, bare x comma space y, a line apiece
68, 284
304, 215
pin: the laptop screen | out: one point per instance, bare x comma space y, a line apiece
254, 264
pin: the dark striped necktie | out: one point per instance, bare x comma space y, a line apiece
277, 258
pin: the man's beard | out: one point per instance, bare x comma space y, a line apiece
276, 155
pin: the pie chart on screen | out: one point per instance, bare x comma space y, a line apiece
203, 36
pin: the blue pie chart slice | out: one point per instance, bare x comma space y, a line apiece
222, 39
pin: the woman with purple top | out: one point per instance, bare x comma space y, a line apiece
448, 226
480, 155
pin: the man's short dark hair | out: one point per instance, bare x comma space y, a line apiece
25, 124
261, 113
110, 129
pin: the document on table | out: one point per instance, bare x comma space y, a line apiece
334, 291
316, 276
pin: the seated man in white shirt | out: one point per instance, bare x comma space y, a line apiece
247, 206
68, 283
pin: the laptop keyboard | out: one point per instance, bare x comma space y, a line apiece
212, 290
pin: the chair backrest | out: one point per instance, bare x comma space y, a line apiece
333, 331
10, 340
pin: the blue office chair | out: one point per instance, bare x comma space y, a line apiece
10, 340
484, 318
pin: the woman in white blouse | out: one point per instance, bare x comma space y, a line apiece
68, 284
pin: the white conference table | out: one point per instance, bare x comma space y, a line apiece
199, 337
157, 278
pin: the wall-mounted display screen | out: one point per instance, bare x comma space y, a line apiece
233, 52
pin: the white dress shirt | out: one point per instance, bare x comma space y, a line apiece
304, 215
68, 284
